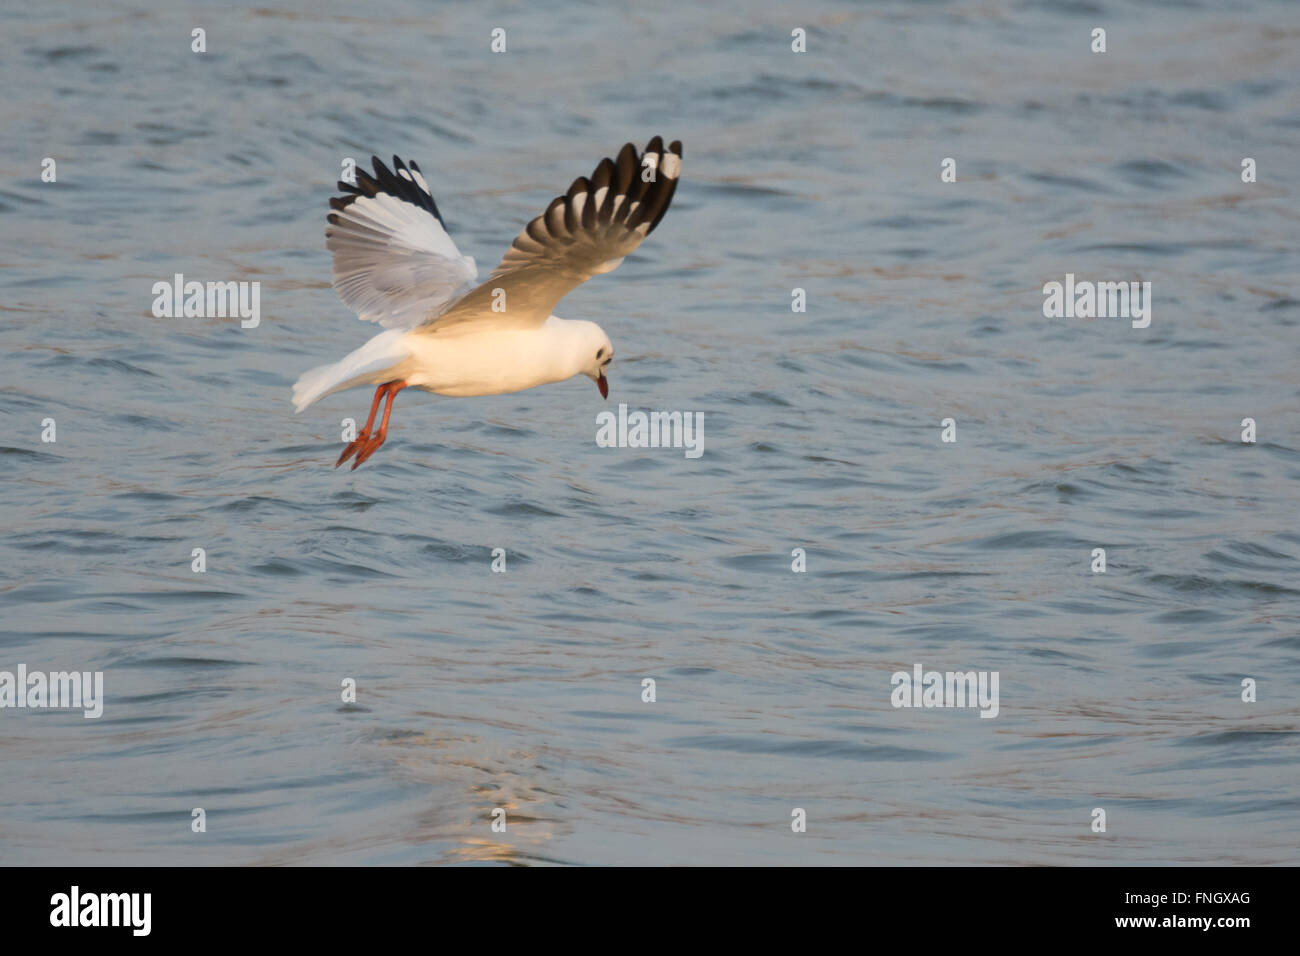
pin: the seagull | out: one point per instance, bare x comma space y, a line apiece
447, 333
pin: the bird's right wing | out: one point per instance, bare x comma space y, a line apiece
583, 233
393, 261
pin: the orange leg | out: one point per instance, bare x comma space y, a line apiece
362, 442
373, 443
365, 431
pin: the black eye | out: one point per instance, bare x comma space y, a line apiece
600, 353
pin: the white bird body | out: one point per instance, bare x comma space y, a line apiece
395, 264
463, 363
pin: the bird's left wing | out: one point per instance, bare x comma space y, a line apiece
583, 233
394, 262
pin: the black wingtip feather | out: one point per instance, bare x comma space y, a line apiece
656, 195
383, 180
602, 178
676, 149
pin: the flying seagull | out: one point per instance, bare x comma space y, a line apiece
395, 264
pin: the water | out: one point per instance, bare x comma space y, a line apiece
522, 690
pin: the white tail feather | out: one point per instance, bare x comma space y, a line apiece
364, 366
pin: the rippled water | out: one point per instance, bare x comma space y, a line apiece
522, 690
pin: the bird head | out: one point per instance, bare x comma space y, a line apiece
602, 353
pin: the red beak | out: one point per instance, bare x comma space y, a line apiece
603, 385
